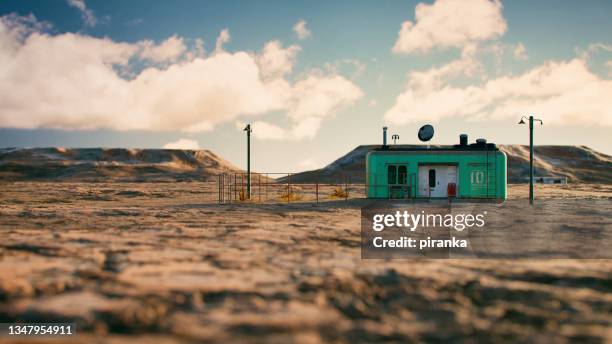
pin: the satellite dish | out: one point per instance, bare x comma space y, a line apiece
426, 132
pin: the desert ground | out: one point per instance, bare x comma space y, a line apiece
163, 262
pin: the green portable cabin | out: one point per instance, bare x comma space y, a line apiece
474, 171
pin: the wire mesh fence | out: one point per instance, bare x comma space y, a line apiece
285, 187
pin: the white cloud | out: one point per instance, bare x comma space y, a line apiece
609, 65
468, 65
301, 30
450, 23
223, 38
86, 14
14, 28
183, 144
310, 102
199, 47
71, 81
167, 51
519, 52
561, 93
304, 128
274, 61
264, 130
319, 95
595, 47
308, 164
354, 67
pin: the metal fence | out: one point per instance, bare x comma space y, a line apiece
285, 187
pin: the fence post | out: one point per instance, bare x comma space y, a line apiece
289, 188
348, 182
222, 188
345, 189
242, 186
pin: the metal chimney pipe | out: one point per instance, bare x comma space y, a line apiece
463, 140
384, 137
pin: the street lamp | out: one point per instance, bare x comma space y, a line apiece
249, 131
531, 120
395, 137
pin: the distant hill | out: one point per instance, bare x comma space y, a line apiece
116, 164
577, 163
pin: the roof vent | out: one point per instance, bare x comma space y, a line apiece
384, 145
463, 140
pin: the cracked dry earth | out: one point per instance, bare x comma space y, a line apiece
160, 262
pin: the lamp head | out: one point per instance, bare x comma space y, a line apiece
521, 122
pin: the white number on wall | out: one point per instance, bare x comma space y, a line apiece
477, 177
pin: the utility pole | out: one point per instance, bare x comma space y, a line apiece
531, 196
531, 151
248, 188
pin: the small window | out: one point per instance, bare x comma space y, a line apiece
392, 174
432, 178
402, 174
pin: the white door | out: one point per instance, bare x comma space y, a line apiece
434, 180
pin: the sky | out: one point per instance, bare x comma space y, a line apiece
314, 78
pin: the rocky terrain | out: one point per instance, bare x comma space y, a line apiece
106, 164
162, 262
579, 164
